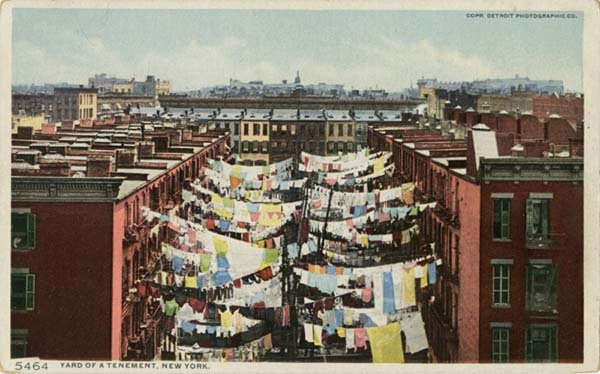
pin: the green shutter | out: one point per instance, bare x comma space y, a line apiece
544, 218
31, 230
529, 219
30, 292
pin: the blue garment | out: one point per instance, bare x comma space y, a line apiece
371, 198
327, 283
253, 207
347, 271
188, 326
320, 178
330, 270
221, 277
164, 218
339, 317
211, 329
177, 263
312, 245
292, 250
375, 238
312, 279
394, 212
357, 211
222, 263
285, 185
403, 211
388, 293
224, 225
330, 330
366, 320
200, 280
330, 318
350, 181
431, 272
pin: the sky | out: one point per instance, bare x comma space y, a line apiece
361, 49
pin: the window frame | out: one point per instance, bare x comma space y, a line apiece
530, 284
504, 215
501, 291
30, 232
543, 239
552, 341
28, 293
503, 355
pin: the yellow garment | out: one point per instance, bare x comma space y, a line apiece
264, 185
405, 236
341, 332
216, 199
329, 255
364, 240
226, 319
424, 277
270, 208
191, 282
239, 322
316, 335
386, 344
220, 245
408, 286
378, 164
163, 278
247, 195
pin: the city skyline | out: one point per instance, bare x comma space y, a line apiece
387, 50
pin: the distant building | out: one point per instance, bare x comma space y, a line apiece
75, 103
104, 83
514, 102
567, 106
32, 104
254, 137
340, 132
35, 122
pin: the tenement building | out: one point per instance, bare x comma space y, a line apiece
72, 104
508, 228
79, 244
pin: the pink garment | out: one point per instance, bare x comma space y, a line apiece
269, 185
367, 295
254, 217
192, 235
316, 203
331, 181
350, 223
384, 217
360, 338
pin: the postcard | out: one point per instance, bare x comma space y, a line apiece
200, 186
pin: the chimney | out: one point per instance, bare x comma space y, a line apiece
146, 149
25, 132
187, 135
470, 117
517, 151
30, 156
49, 128
55, 167
59, 148
68, 125
161, 143
99, 166
126, 158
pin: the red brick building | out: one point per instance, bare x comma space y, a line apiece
510, 287
567, 106
79, 242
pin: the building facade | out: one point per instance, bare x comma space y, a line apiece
283, 135
340, 136
510, 287
254, 137
75, 104
115, 250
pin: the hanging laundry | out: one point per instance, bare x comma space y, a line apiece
308, 332
424, 271
360, 338
432, 272
408, 289
386, 344
388, 293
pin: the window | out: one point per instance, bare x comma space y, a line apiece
537, 220
349, 129
255, 147
540, 287
245, 146
341, 147
256, 129
22, 231
273, 128
322, 147
501, 284
245, 129
284, 129
284, 145
501, 219
236, 145
500, 344
330, 146
265, 127
236, 129
541, 343
275, 146
292, 129
349, 147
322, 130
331, 129
22, 290
340, 129
18, 343
265, 147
